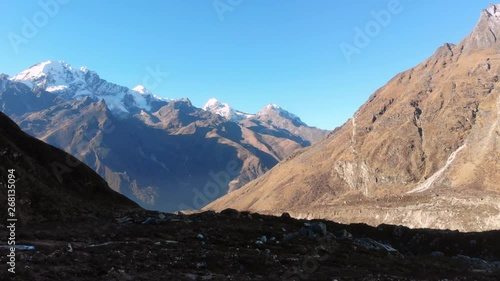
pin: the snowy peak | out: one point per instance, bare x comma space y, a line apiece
487, 31
50, 75
77, 83
215, 106
272, 106
141, 90
273, 110
225, 110
211, 104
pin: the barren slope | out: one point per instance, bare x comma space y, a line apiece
423, 151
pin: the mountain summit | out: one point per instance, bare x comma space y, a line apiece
225, 110
486, 34
70, 83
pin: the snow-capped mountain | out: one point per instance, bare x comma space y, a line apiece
169, 143
272, 120
270, 112
225, 110
70, 83
273, 110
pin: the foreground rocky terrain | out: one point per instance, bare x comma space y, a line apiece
237, 246
423, 151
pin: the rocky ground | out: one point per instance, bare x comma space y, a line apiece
230, 245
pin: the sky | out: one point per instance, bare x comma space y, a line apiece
320, 59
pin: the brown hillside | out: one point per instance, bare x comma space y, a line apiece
423, 150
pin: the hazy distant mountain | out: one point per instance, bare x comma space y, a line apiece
165, 154
423, 151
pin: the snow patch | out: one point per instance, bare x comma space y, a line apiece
428, 183
56, 88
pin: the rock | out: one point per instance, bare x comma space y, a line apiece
342, 234
306, 232
201, 265
200, 236
290, 237
286, 215
124, 220
263, 239
151, 220
398, 231
474, 262
232, 213
437, 254
258, 242
371, 244
19, 247
319, 228
246, 214
70, 248
207, 215
158, 243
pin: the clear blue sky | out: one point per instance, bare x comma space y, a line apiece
262, 51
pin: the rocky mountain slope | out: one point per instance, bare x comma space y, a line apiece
49, 183
423, 151
164, 154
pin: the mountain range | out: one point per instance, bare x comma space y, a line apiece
423, 151
164, 154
